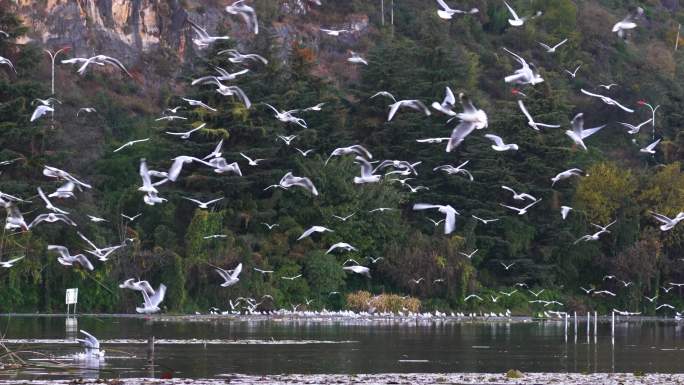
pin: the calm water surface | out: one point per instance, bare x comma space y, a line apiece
209, 349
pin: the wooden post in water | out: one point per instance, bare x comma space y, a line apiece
566, 327
575, 317
588, 324
612, 326
595, 323
382, 12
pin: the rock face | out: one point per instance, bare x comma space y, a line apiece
121, 28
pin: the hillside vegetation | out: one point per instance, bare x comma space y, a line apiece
416, 58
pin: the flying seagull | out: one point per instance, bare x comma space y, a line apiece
530, 120
230, 279
628, 22
521, 211
471, 119
447, 12
579, 133
499, 144
607, 100
550, 49
449, 212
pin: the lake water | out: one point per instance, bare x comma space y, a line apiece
206, 349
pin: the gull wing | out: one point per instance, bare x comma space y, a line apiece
458, 134
496, 139
590, 131
515, 15
236, 272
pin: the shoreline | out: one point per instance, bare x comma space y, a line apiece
336, 317
390, 378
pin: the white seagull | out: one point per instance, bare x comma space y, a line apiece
550, 49
521, 211
246, 12
573, 74
447, 12
186, 134
151, 304
526, 74
628, 22
499, 144
519, 197
579, 133
230, 278
358, 270
451, 170
632, 129
412, 103
252, 162
341, 245
566, 174
650, 148
67, 259
449, 212
607, 100
203, 38
353, 149
565, 210
530, 120
131, 143
203, 205
367, 175
517, 21
314, 229
471, 119
668, 223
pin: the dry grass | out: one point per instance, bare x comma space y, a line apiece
364, 301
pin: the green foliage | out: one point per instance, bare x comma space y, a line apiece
414, 59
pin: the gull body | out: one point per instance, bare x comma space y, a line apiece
471, 119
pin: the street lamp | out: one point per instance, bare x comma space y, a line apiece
653, 111
53, 56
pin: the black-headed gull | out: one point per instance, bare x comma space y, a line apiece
314, 229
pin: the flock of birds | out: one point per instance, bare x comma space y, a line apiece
469, 120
